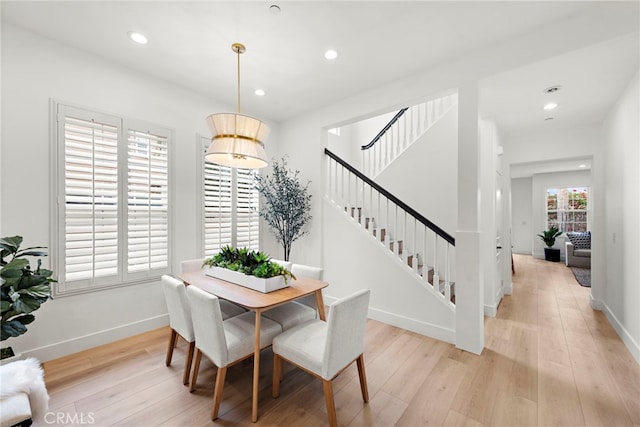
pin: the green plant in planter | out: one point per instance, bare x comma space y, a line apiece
22, 289
549, 236
253, 263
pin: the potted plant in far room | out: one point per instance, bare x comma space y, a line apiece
23, 289
549, 239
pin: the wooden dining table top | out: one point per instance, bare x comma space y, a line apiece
249, 298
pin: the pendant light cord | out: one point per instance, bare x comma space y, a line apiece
238, 51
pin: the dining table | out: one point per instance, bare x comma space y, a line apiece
258, 302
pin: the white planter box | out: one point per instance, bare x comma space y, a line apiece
251, 282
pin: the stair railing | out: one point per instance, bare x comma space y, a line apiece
403, 129
424, 247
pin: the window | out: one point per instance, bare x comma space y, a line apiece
112, 207
230, 206
567, 208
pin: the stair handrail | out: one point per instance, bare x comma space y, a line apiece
384, 129
419, 217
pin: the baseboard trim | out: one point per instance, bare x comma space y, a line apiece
75, 345
490, 310
624, 335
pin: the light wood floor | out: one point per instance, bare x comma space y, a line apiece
549, 360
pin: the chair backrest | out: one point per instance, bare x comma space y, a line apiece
345, 332
207, 325
306, 271
191, 265
178, 307
285, 264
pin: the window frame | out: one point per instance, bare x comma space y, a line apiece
563, 213
59, 110
202, 143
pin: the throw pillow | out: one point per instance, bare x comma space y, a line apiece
580, 240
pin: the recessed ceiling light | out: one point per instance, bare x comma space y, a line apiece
138, 37
552, 89
582, 166
550, 106
259, 92
274, 9
331, 54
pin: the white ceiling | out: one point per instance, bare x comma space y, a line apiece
378, 42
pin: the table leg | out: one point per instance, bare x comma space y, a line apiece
320, 305
256, 369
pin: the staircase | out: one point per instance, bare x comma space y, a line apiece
406, 127
426, 251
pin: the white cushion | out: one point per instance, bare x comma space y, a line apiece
226, 341
239, 332
14, 409
230, 309
306, 271
285, 264
326, 348
290, 314
178, 307
304, 345
191, 265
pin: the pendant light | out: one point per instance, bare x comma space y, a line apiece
237, 139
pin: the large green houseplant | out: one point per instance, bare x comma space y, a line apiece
22, 289
549, 238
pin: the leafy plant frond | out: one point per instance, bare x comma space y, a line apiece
22, 289
254, 263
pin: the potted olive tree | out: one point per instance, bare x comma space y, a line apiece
287, 204
549, 239
23, 290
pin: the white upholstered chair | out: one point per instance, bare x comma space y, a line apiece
324, 349
291, 313
191, 265
300, 270
179, 320
225, 342
228, 308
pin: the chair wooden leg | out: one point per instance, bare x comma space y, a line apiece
172, 344
187, 363
196, 368
277, 375
327, 386
217, 392
363, 378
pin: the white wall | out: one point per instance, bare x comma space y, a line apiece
425, 175
521, 215
621, 237
542, 182
397, 297
34, 70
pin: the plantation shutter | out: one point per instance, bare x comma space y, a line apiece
248, 219
111, 201
229, 208
89, 234
147, 202
217, 220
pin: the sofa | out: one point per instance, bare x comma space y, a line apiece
578, 249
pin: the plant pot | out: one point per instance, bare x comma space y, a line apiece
551, 254
251, 282
7, 356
